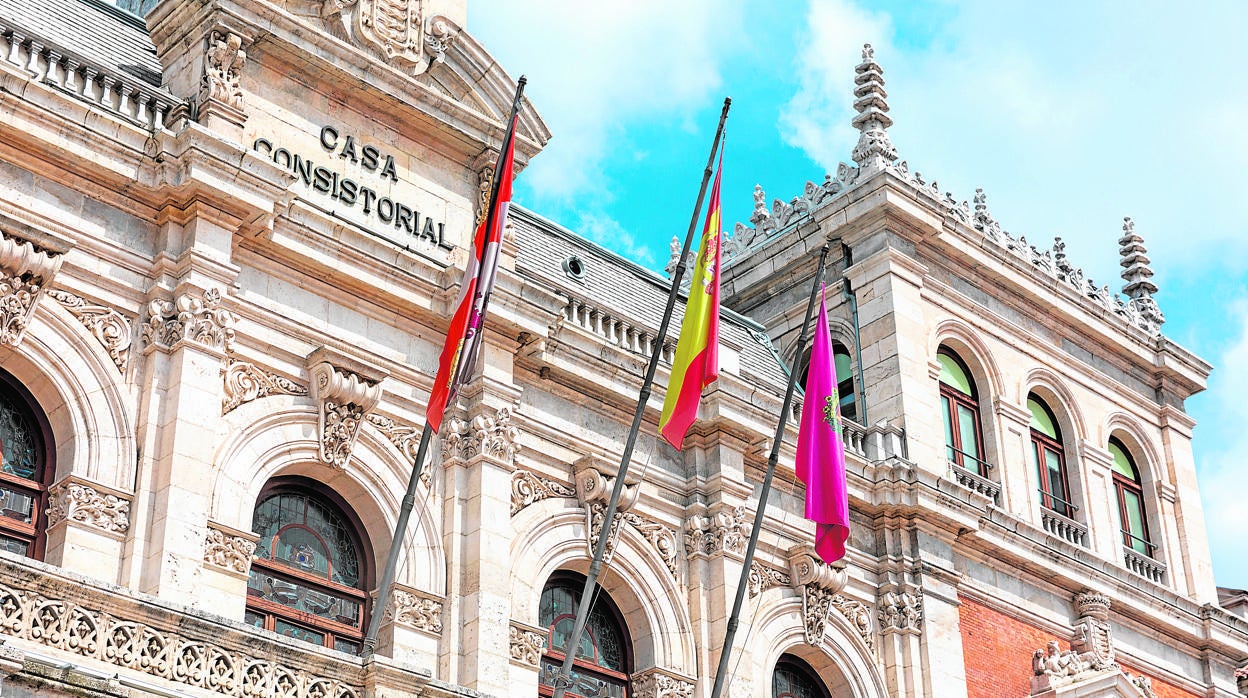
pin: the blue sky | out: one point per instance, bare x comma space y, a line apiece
1069, 116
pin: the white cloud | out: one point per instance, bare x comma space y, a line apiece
1222, 470
817, 118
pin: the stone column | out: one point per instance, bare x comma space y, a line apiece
479, 450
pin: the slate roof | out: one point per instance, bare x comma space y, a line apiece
626, 289
93, 29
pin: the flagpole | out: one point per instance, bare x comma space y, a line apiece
563, 680
409, 499
726, 652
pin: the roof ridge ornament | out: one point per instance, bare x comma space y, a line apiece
874, 150
1137, 272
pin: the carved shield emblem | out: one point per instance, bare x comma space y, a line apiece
392, 29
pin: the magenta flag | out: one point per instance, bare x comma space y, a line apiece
820, 451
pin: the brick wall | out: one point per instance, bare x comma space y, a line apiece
997, 651
1161, 688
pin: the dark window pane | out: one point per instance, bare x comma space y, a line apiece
16, 504
299, 633
14, 545
968, 433
304, 597
348, 646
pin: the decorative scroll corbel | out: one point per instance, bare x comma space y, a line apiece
345, 391
220, 91
819, 583
25, 271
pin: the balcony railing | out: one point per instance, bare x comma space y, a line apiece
1145, 566
975, 482
1068, 529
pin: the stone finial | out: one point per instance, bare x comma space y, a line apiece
1138, 275
674, 260
874, 149
1135, 262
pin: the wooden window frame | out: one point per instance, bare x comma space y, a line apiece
576, 583
35, 533
957, 397
1123, 484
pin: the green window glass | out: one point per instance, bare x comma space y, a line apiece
23, 471
960, 413
1130, 494
1049, 458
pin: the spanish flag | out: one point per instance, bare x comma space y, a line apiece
696, 364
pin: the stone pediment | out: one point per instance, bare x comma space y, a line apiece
406, 63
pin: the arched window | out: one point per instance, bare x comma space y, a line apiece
1130, 500
959, 405
1049, 457
845, 382
793, 678
604, 658
25, 469
311, 567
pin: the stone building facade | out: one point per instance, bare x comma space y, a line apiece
231, 234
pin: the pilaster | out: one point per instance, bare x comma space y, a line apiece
87, 526
1017, 483
1100, 500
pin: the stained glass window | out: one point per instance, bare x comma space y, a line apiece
794, 678
602, 657
306, 579
23, 471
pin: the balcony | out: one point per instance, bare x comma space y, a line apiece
1067, 529
1145, 566
975, 482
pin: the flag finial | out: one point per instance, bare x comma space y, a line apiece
874, 149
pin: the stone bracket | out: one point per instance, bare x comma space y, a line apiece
26, 269
345, 390
229, 549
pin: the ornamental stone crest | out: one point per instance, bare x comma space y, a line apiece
93, 505
416, 609
819, 583
1093, 640
394, 31
345, 391
528, 488
229, 549
25, 270
526, 644
191, 317
244, 382
109, 327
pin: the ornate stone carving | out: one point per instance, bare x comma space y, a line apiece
405, 437
75, 500
725, 530
658, 683
192, 318
816, 601
819, 583
901, 611
109, 327
420, 611
528, 488
1093, 640
485, 181
228, 549
874, 149
223, 65
491, 435
344, 397
392, 30
65, 625
859, 615
1144, 685
526, 644
763, 577
1052, 661
244, 382
439, 37
25, 270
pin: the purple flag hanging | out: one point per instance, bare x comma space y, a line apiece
820, 451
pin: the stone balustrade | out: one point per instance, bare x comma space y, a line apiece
975, 482
615, 331
1062, 527
64, 69
1145, 566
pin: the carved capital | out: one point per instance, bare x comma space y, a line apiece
244, 382
526, 644
109, 327
901, 611
74, 499
345, 391
661, 683
415, 608
25, 270
528, 488
191, 317
723, 531
485, 434
229, 548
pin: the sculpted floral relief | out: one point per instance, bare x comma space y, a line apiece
525, 645
223, 67
418, 610
77, 501
24, 272
244, 382
109, 327
528, 488
228, 551
192, 318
